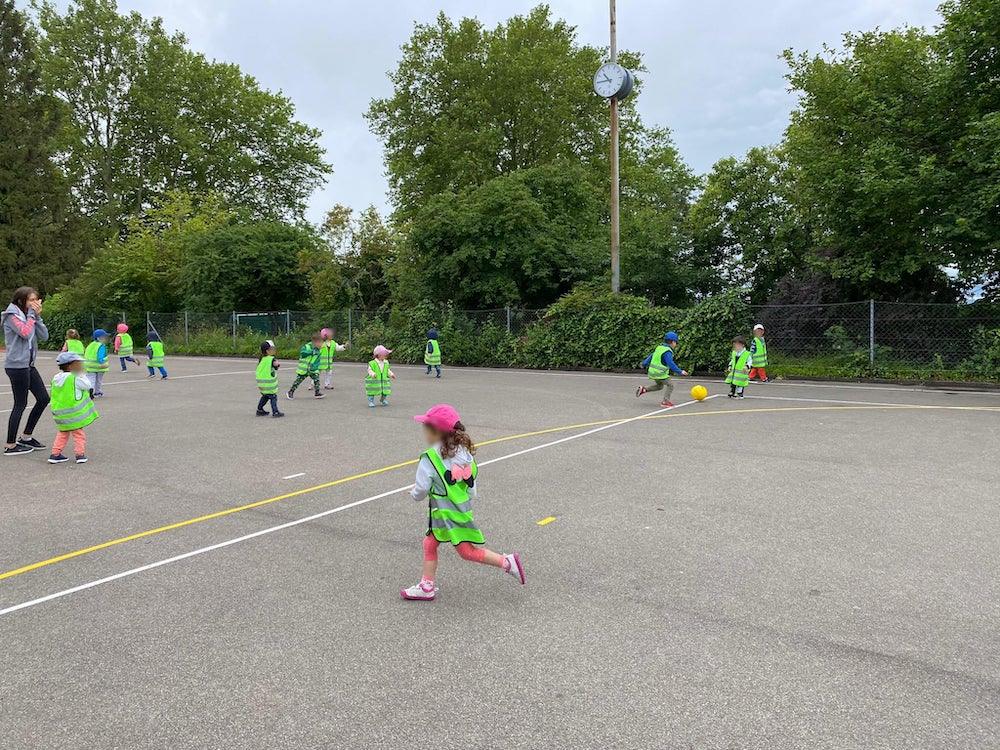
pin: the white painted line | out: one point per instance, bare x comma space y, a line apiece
869, 403
294, 476
146, 379
309, 519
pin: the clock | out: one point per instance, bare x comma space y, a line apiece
613, 81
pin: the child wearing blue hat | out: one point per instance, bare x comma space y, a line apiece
660, 366
95, 360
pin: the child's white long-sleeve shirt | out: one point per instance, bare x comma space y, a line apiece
427, 476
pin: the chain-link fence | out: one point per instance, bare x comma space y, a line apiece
885, 338
855, 339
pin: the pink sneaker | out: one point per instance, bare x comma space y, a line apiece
420, 592
667, 404
515, 567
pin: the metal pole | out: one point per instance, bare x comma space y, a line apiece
508, 318
147, 322
93, 323
234, 329
288, 322
350, 326
871, 331
123, 318
185, 326
615, 228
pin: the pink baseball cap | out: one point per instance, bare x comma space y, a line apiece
122, 328
381, 351
326, 333
442, 417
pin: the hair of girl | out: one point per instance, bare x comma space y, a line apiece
457, 438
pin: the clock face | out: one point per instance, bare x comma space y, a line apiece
610, 79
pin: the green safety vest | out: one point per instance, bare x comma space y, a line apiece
156, 358
738, 364
125, 345
72, 409
267, 376
450, 517
75, 345
309, 357
432, 357
657, 370
327, 353
90, 363
380, 385
760, 353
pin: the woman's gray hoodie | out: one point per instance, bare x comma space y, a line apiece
21, 332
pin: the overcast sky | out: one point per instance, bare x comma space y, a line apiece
714, 74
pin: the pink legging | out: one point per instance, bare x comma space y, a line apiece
466, 550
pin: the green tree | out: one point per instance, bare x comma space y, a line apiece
42, 237
747, 224
520, 239
470, 104
866, 156
147, 116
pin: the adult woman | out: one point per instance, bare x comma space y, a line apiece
22, 330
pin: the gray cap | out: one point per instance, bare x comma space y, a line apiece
65, 358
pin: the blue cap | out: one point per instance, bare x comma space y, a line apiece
670, 336
65, 358
100, 333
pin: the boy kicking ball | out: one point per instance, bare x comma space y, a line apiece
660, 366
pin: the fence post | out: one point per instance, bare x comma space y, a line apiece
350, 326
508, 318
871, 331
288, 322
123, 318
147, 321
93, 323
234, 329
185, 327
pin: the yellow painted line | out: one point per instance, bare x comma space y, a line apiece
363, 475
546, 521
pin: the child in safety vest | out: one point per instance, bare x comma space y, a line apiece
95, 360
758, 354
73, 343
327, 353
123, 346
432, 352
659, 367
308, 367
378, 380
267, 380
156, 354
446, 478
72, 407
739, 366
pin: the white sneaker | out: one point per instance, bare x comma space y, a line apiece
420, 592
515, 567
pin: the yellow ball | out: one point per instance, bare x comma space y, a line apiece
699, 393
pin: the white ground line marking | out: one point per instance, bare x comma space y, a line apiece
146, 379
864, 403
313, 517
293, 476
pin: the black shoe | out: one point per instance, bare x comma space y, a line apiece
81, 459
30, 443
319, 395
278, 414
291, 395
730, 395
57, 458
261, 413
18, 450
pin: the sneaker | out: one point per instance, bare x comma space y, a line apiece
261, 413
667, 404
514, 566
81, 459
151, 375
18, 450
57, 458
438, 375
290, 395
164, 377
739, 395
278, 414
371, 403
730, 395
419, 592
319, 395
29, 443
765, 380
384, 402
639, 391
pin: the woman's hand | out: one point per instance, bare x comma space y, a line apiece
35, 306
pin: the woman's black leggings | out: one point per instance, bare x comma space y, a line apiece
23, 380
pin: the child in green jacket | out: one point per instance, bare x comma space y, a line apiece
308, 367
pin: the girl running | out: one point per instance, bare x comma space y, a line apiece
446, 475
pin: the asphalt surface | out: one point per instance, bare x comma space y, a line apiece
816, 566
